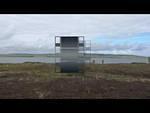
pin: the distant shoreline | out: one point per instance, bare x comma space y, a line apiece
53, 55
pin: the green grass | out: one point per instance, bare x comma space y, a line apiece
124, 72
137, 70
42, 70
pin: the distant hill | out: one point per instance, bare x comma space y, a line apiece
53, 55
25, 55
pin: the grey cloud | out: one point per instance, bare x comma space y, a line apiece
7, 33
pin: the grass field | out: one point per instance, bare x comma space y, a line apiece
38, 80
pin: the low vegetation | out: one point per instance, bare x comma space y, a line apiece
39, 80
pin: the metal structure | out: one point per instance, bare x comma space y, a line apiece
87, 45
70, 53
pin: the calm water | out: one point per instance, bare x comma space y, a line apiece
119, 60
98, 60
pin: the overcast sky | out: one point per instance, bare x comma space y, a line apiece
113, 34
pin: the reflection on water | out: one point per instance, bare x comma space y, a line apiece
97, 60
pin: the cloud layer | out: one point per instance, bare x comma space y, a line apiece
35, 33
